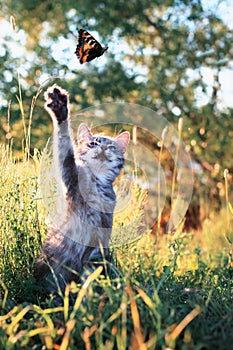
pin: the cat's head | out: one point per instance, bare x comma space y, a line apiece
103, 155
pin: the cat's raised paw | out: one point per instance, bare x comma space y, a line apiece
57, 101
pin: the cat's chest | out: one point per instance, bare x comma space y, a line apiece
99, 198
94, 186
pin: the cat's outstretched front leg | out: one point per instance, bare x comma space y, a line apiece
57, 104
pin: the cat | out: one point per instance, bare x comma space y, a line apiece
88, 171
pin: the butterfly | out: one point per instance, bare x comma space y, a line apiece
88, 47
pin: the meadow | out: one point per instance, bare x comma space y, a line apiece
174, 292
169, 291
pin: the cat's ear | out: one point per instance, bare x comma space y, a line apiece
123, 140
84, 134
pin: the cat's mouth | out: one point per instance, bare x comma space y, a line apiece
100, 155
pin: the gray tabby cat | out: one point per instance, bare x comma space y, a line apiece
88, 171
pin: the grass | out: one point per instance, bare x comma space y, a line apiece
173, 293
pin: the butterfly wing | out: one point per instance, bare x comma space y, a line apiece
88, 47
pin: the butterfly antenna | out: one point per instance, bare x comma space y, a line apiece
73, 35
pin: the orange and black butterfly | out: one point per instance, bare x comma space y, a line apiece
88, 48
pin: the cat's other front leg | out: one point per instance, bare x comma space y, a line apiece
57, 102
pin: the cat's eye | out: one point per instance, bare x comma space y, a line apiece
112, 147
94, 143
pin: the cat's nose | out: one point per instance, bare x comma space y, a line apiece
103, 148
